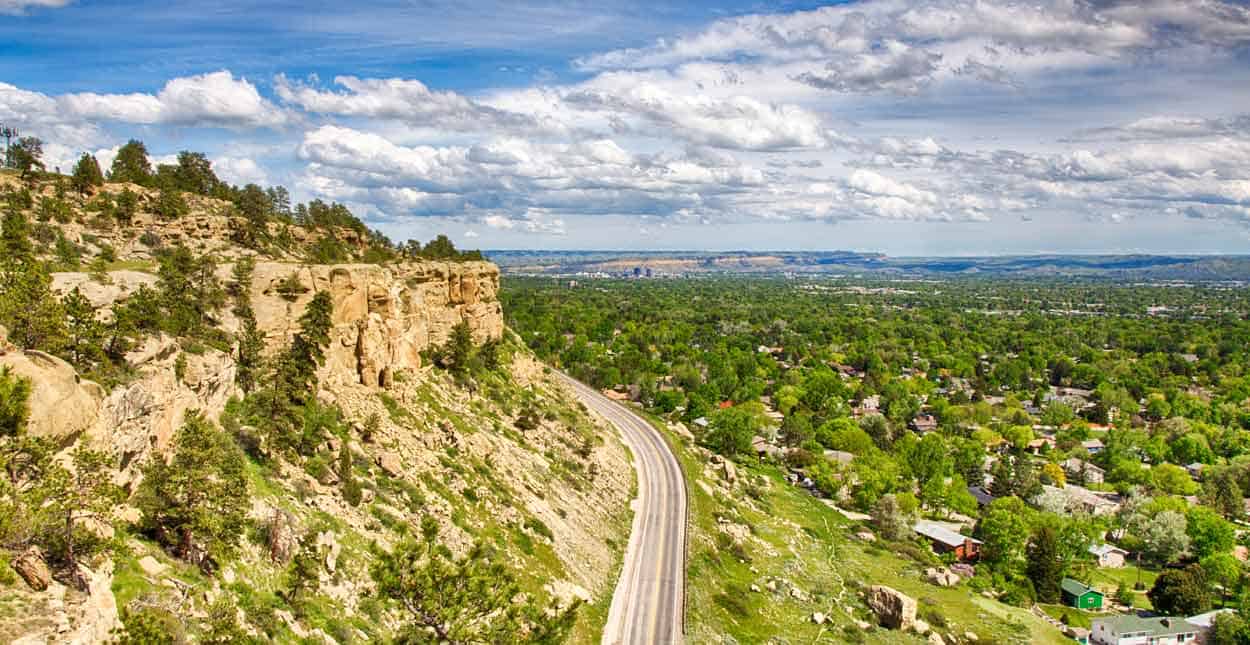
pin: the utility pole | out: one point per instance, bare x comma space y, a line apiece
9, 134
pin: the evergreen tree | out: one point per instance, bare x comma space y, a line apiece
16, 236
170, 204
197, 503
131, 164
84, 492
86, 175
303, 574
251, 342
307, 351
473, 599
14, 393
1045, 567
189, 291
351, 486
29, 308
85, 334
26, 156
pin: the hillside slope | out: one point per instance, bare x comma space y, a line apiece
498, 454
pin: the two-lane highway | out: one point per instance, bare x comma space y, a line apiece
648, 604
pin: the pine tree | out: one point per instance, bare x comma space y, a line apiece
85, 492
85, 333
303, 575
351, 486
307, 351
251, 343
26, 155
29, 308
198, 502
473, 599
1045, 568
87, 175
131, 164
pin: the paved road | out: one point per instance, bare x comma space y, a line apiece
648, 605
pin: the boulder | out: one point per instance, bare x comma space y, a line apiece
941, 577
819, 618
729, 471
61, 405
31, 566
282, 539
936, 639
921, 626
390, 463
894, 609
151, 566
971, 637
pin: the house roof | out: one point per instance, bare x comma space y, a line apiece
1077, 588
1153, 626
982, 496
935, 531
1103, 549
1092, 443
1206, 620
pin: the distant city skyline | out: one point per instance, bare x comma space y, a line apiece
930, 128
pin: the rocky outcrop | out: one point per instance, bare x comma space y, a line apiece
33, 569
61, 405
894, 609
384, 316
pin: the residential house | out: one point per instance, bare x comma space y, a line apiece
1110, 557
1080, 470
1041, 444
702, 422
983, 497
1205, 621
924, 423
1080, 595
1195, 470
1092, 446
1131, 629
945, 540
1084, 500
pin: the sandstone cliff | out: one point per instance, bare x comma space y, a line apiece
556, 495
384, 316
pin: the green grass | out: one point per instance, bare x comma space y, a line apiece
146, 266
1076, 617
799, 540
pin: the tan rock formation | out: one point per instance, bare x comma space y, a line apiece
894, 609
384, 316
61, 405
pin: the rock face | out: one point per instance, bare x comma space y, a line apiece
61, 404
893, 608
384, 316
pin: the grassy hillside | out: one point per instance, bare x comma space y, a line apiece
787, 536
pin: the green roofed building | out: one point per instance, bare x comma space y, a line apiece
1081, 596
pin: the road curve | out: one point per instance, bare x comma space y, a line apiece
648, 605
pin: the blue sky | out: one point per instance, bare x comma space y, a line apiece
929, 127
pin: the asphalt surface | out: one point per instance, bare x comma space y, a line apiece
648, 604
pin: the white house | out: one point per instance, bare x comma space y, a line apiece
1108, 556
1130, 629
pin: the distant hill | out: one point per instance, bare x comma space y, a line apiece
676, 263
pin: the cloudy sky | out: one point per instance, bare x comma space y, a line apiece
930, 127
